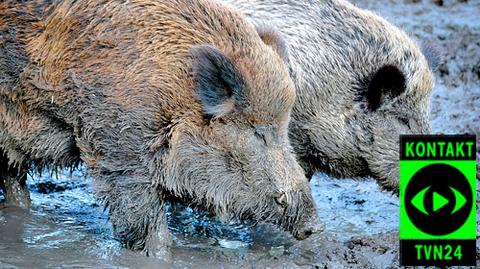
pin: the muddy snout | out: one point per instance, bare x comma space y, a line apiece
313, 226
300, 216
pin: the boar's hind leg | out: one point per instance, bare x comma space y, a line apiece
13, 181
137, 212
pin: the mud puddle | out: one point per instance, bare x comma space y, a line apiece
68, 228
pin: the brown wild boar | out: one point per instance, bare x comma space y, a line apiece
361, 82
159, 99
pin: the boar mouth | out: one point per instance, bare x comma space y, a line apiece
299, 229
304, 230
300, 216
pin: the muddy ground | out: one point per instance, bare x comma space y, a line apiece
67, 228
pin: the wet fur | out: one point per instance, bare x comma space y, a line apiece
123, 86
336, 52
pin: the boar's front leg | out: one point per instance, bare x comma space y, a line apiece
13, 181
137, 212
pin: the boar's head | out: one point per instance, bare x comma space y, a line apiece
237, 161
362, 82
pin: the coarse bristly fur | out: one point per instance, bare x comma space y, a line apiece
361, 82
158, 99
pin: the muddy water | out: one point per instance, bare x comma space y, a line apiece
67, 228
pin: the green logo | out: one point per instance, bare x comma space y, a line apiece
437, 200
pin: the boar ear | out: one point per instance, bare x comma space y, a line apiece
272, 38
220, 85
388, 82
433, 54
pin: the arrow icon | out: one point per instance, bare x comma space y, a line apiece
460, 200
438, 201
417, 201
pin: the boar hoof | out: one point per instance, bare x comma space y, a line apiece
159, 244
13, 183
161, 252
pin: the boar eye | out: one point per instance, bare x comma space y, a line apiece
261, 136
405, 121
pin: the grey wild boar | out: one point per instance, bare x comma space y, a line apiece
361, 82
159, 99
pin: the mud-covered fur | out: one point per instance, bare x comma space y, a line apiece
361, 82
159, 99
13, 183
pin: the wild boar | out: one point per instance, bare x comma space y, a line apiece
159, 99
361, 82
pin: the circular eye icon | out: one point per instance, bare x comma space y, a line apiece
438, 199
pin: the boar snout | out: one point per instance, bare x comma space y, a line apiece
312, 226
299, 214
